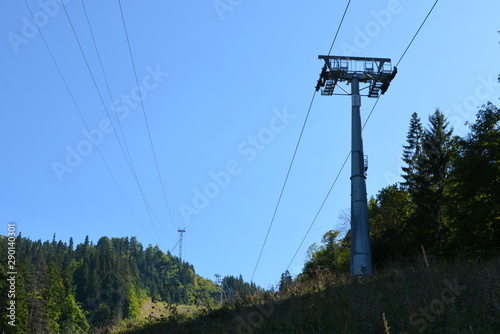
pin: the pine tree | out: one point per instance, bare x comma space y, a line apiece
285, 282
53, 295
37, 283
430, 183
412, 151
72, 320
21, 302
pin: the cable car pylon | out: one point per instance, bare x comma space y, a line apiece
377, 74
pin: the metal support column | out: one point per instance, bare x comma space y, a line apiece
376, 74
181, 232
361, 258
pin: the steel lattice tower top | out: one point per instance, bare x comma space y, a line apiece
377, 72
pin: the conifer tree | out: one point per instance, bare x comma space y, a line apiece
21, 302
72, 320
430, 182
285, 282
412, 151
37, 283
53, 295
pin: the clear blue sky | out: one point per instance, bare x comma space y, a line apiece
212, 79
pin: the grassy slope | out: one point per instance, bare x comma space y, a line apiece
461, 297
152, 312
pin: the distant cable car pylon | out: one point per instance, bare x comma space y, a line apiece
218, 281
181, 232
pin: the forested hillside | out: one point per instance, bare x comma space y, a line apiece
63, 288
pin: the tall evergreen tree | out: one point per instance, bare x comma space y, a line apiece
21, 302
412, 151
54, 295
429, 188
37, 283
72, 320
285, 281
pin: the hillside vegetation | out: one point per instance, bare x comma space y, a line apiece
462, 296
